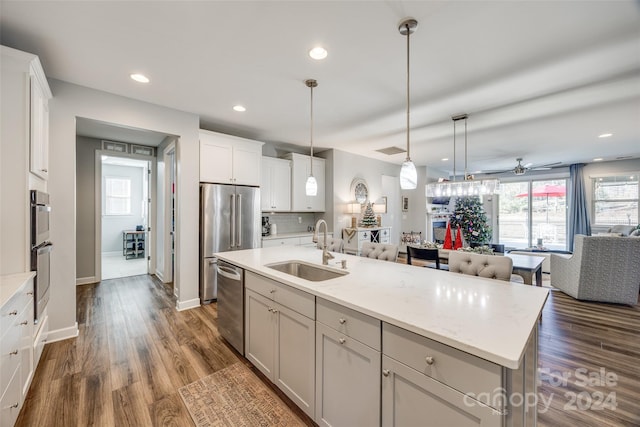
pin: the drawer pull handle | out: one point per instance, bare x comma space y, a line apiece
272, 291
385, 372
14, 406
26, 322
430, 360
342, 321
13, 313
270, 309
29, 293
13, 353
275, 311
342, 340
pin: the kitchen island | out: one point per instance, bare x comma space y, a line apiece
482, 332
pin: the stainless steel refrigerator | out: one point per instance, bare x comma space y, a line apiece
229, 221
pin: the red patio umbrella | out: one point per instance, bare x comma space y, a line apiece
546, 190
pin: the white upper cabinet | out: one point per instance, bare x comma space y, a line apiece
226, 159
39, 116
301, 168
275, 194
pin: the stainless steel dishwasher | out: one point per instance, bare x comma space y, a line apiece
231, 304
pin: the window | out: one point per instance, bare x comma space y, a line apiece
615, 200
117, 196
533, 214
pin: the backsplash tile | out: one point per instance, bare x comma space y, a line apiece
288, 222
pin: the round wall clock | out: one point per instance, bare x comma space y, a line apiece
360, 190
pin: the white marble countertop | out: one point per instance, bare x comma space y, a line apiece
10, 283
487, 318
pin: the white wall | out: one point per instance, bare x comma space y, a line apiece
70, 101
346, 167
114, 225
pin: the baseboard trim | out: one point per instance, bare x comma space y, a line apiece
159, 276
186, 305
86, 280
63, 334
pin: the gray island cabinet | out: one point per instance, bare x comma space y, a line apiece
391, 344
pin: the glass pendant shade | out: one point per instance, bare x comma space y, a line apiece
311, 188
408, 175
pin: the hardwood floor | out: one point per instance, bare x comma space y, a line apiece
135, 350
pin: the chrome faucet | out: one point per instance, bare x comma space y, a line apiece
326, 256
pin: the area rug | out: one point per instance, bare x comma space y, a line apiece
235, 396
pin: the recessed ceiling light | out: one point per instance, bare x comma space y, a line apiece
597, 159
140, 78
318, 53
445, 159
605, 135
239, 108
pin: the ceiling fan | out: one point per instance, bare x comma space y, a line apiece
521, 169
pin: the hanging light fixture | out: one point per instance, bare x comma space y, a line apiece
311, 188
468, 187
408, 174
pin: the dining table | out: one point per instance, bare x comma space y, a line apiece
525, 266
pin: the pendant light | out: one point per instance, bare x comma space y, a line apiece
311, 188
468, 187
408, 174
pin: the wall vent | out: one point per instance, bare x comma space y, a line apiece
390, 151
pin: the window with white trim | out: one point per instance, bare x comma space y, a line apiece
117, 196
615, 200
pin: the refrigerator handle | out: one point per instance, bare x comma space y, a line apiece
233, 220
239, 220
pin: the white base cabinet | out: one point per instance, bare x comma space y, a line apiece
280, 337
347, 380
16, 351
347, 367
410, 398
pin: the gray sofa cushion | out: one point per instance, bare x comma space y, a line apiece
624, 230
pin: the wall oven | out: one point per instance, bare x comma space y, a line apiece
40, 250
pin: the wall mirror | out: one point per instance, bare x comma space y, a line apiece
360, 190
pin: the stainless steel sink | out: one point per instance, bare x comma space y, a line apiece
307, 271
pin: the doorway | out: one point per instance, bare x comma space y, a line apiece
124, 209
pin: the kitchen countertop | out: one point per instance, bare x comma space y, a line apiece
10, 283
486, 318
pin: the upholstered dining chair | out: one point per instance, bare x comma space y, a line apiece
334, 244
425, 254
488, 266
380, 251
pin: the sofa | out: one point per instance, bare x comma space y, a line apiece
601, 268
625, 230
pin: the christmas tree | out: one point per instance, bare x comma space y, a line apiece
368, 217
469, 215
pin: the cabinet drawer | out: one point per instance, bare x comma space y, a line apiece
364, 236
13, 308
352, 323
462, 371
302, 302
10, 402
9, 353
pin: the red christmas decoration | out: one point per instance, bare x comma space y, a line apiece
458, 243
448, 244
